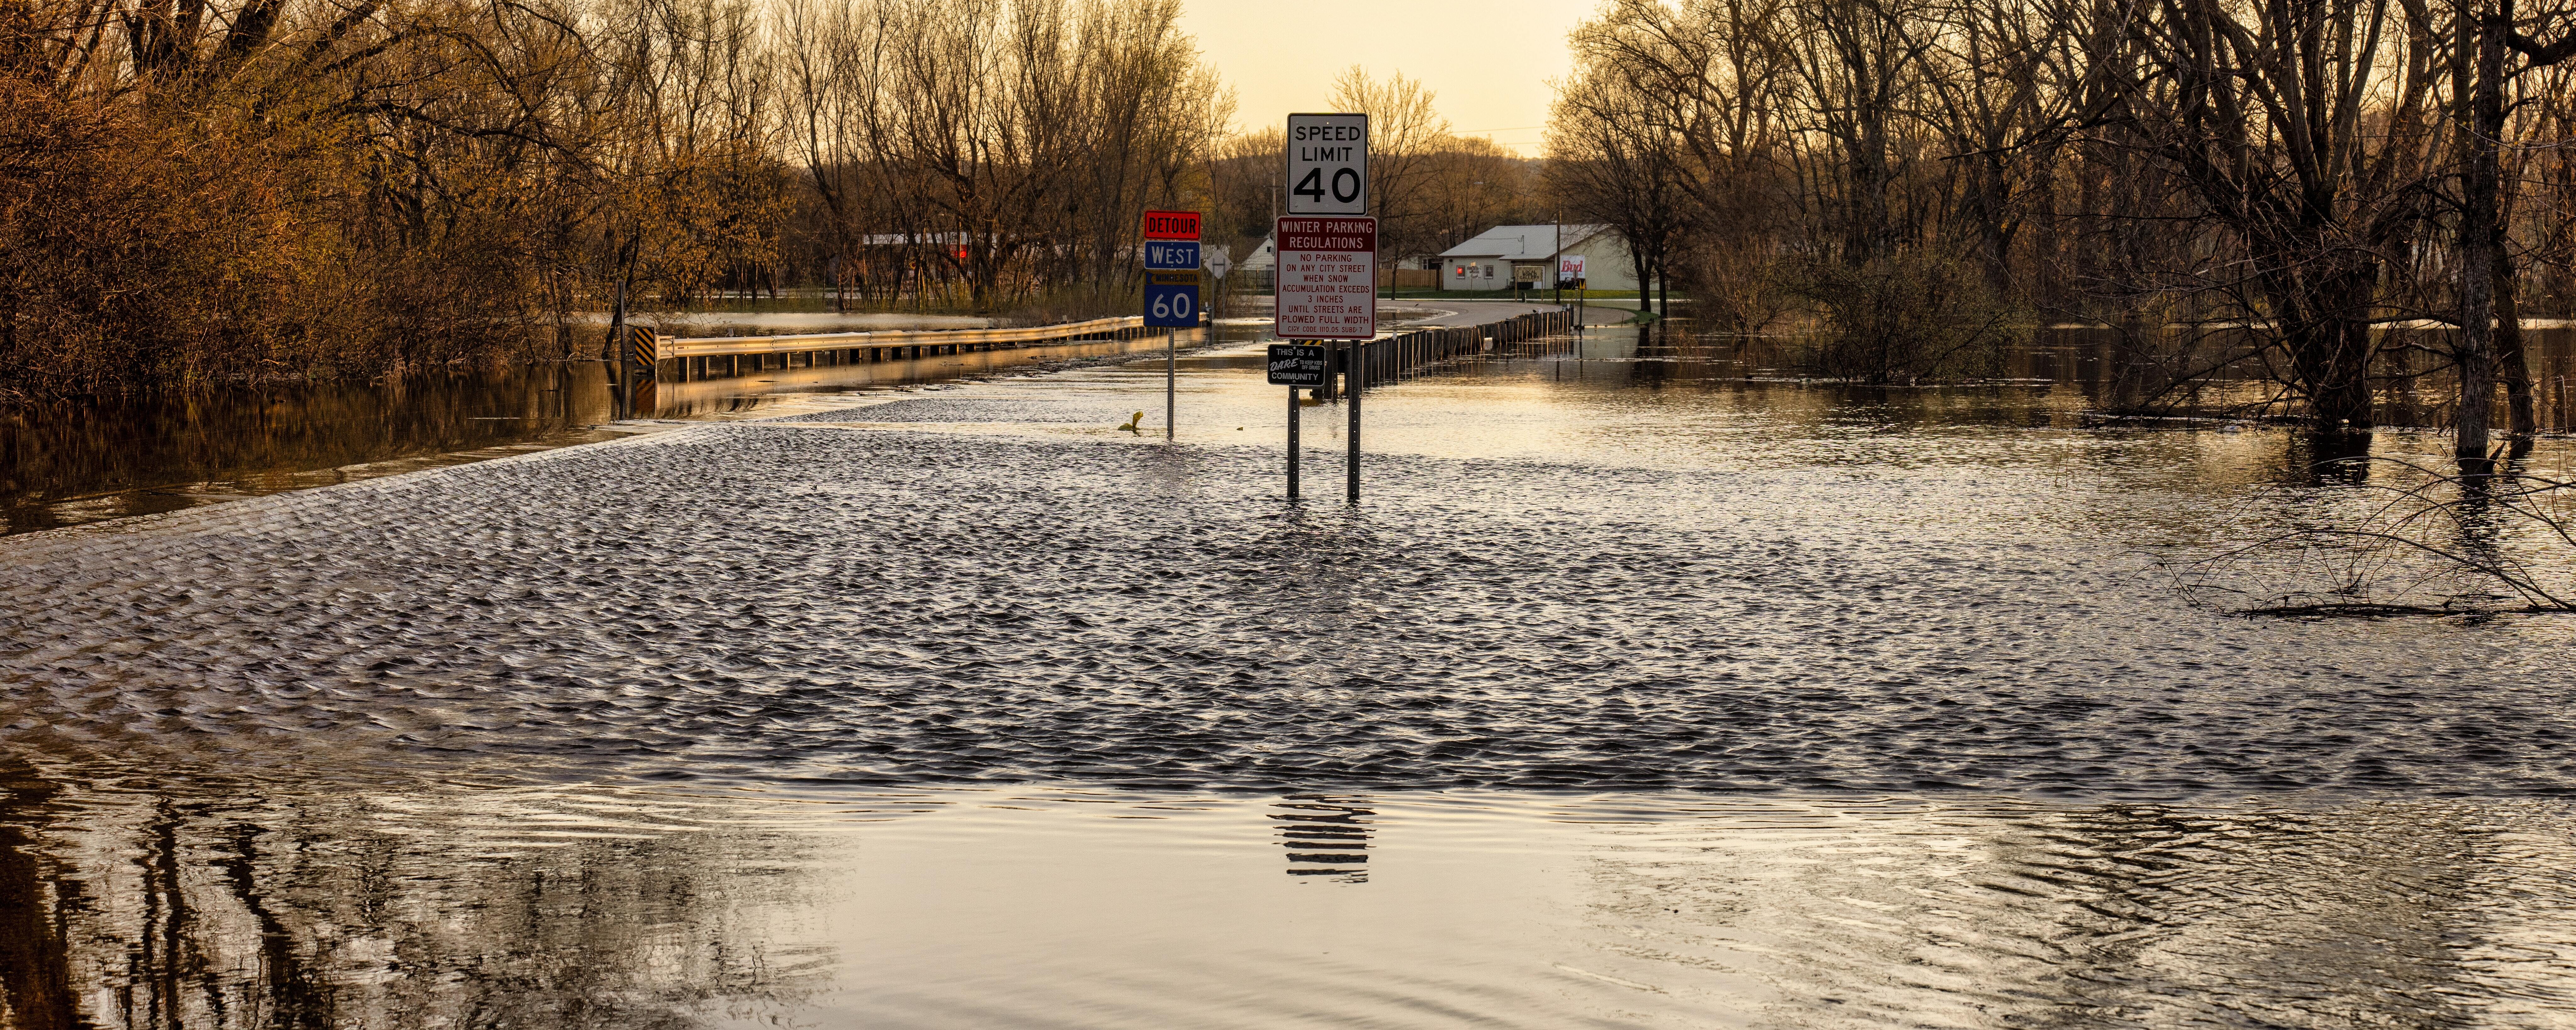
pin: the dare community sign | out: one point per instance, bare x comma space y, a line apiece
1296, 364
1327, 279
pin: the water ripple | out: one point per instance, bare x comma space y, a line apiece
805, 602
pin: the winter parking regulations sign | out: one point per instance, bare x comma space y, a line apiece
1327, 279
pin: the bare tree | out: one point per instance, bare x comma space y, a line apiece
1405, 131
1620, 171
2489, 56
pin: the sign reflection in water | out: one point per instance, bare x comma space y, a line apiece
191, 906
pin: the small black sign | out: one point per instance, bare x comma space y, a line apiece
1296, 364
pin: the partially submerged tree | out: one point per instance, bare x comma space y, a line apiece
2490, 58
2233, 183
1626, 176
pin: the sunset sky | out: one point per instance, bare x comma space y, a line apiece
1489, 61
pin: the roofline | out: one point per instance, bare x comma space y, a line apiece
1565, 238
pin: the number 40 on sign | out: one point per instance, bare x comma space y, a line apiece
1328, 164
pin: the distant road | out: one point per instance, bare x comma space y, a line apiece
1466, 312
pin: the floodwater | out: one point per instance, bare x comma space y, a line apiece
1638, 693
274, 905
70, 462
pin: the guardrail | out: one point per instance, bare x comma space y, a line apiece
696, 355
1390, 359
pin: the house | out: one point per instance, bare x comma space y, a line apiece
1263, 258
1505, 253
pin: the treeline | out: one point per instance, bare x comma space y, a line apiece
201, 192
1430, 187
2282, 180
1006, 151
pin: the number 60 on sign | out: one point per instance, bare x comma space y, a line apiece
1172, 300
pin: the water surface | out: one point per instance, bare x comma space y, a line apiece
1638, 693
75, 461
271, 905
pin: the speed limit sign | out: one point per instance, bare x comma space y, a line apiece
1328, 164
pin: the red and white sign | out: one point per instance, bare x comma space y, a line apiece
1171, 225
1327, 278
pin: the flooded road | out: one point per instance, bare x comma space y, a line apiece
1637, 694
72, 462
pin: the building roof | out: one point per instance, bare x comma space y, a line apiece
1264, 256
1523, 242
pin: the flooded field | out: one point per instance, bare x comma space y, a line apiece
1643, 691
68, 463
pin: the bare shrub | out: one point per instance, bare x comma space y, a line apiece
2421, 542
1737, 291
1910, 316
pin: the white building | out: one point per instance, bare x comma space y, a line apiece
1263, 258
1504, 253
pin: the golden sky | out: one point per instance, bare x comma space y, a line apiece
1490, 61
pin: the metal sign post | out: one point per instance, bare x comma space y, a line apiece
1295, 365
1171, 293
1358, 378
1327, 290
1326, 284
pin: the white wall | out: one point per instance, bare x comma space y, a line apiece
1605, 263
1605, 267
1481, 274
